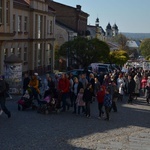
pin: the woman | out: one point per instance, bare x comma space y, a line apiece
137, 86
50, 85
143, 84
87, 97
76, 88
97, 86
34, 85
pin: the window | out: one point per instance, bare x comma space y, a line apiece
39, 54
7, 11
39, 21
19, 52
35, 53
1, 11
49, 48
19, 23
5, 53
14, 22
48, 27
51, 27
25, 23
12, 50
25, 55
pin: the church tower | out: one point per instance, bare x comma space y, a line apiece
98, 32
115, 30
108, 30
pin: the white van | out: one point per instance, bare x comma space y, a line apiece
99, 67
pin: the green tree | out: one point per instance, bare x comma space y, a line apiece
121, 39
145, 47
85, 51
118, 57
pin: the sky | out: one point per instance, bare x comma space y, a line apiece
130, 15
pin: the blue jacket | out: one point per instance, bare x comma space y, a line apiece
107, 100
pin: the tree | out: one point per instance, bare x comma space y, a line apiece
118, 57
121, 40
84, 51
145, 47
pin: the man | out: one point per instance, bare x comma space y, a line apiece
2, 97
63, 87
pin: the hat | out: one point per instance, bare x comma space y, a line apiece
36, 74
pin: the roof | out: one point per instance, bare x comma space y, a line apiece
64, 26
108, 26
115, 27
92, 30
112, 45
132, 44
63, 5
22, 2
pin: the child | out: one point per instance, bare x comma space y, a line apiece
87, 97
100, 98
79, 101
25, 97
107, 103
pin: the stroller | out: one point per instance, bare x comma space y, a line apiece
26, 101
50, 103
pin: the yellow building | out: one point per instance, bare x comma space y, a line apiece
27, 30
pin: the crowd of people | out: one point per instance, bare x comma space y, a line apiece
78, 93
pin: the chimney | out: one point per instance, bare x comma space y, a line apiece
78, 7
27, 1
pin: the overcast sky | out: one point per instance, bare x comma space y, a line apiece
129, 15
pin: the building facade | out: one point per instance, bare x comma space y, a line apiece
27, 30
73, 18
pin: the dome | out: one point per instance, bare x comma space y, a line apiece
97, 20
115, 27
108, 27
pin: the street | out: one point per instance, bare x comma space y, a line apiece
128, 129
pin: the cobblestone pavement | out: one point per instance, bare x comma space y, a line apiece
128, 129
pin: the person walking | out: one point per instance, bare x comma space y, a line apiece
131, 88
3, 97
77, 85
87, 98
107, 103
100, 99
63, 87
137, 86
79, 101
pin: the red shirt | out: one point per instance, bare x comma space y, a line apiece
63, 85
100, 95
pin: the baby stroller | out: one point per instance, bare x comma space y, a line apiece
26, 101
50, 103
